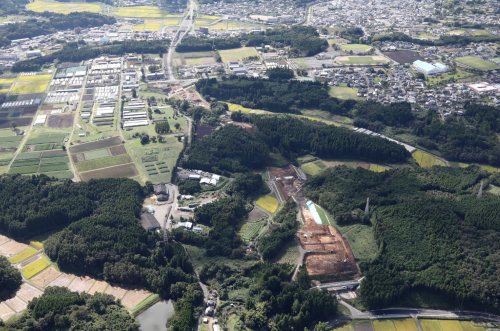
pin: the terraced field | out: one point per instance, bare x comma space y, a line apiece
250, 230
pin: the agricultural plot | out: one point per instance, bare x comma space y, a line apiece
237, 54
116, 291
426, 160
141, 11
34, 268
102, 163
63, 121
448, 325
36, 244
81, 284
489, 168
12, 248
86, 147
124, 170
350, 47
28, 292
383, 325
98, 287
312, 168
467, 326
135, 297
7, 81
46, 139
16, 304
235, 107
171, 22
250, 230
430, 325
30, 87
5, 312
407, 324
63, 281
475, 63
62, 8
268, 203
29, 252
45, 277
362, 242
377, 168
36, 78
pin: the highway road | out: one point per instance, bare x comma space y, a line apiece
184, 28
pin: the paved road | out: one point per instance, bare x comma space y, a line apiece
185, 26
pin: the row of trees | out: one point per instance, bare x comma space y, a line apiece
74, 52
442, 41
162, 127
53, 22
199, 44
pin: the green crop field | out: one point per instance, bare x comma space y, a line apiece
34, 87
349, 47
103, 163
383, 325
344, 93
430, 325
52, 160
477, 63
53, 167
53, 138
310, 168
25, 156
10, 144
407, 324
250, 230
362, 242
448, 325
467, 326
34, 78
97, 154
24, 170
23, 163
11, 138
237, 54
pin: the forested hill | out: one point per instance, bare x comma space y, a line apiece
12, 7
51, 23
432, 230
198, 44
294, 137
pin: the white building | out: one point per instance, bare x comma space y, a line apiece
425, 67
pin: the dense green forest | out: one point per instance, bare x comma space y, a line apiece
51, 23
10, 277
12, 7
199, 44
281, 97
432, 230
74, 52
294, 137
230, 149
270, 300
279, 73
60, 309
302, 40
442, 41
189, 187
272, 243
247, 184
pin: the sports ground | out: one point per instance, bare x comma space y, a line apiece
349, 47
476, 63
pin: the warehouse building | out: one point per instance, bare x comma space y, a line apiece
428, 68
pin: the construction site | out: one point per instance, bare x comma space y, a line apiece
327, 252
286, 180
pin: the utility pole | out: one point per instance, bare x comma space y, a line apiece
480, 193
367, 208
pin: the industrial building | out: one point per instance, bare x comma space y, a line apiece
428, 68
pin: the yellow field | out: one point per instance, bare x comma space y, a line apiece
345, 327
36, 87
37, 244
139, 27
23, 255
141, 11
233, 107
237, 54
4, 91
202, 22
430, 325
33, 78
62, 8
489, 168
377, 168
426, 160
170, 22
210, 17
407, 324
33, 268
383, 325
268, 203
323, 121
7, 80
467, 326
153, 26
450, 325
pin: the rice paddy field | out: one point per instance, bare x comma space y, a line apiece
23, 255
448, 325
209, 17
147, 26
349, 47
34, 87
407, 324
489, 168
62, 8
430, 325
377, 168
268, 203
141, 11
476, 63
33, 268
384, 325
7, 81
171, 22
426, 160
237, 54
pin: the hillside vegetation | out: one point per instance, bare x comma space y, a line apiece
432, 230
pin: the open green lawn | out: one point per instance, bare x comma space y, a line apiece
458, 75
362, 242
237, 54
344, 93
349, 47
477, 63
200, 60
